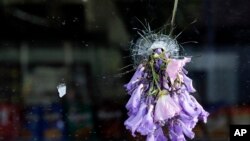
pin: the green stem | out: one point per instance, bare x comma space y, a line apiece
154, 75
173, 17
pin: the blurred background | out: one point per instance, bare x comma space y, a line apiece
85, 43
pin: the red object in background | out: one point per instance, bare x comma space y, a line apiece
240, 115
9, 122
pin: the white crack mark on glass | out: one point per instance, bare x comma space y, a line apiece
61, 89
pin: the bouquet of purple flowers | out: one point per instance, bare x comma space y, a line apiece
160, 92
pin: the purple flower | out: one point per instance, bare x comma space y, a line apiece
133, 122
158, 64
189, 121
172, 106
150, 137
185, 129
165, 84
189, 84
188, 104
175, 66
136, 78
147, 125
159, 135
191, 107
178, 129
134, 101
166, 108
203, 114
175, 134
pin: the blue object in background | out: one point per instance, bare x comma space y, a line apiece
34, 123
54, 126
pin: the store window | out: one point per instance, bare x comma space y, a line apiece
85, 45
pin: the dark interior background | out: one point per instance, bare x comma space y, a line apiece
85, 43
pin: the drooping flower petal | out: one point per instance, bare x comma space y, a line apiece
133, 122
136, 77
191, 107
189, 84
159, 135
175, 133
166, 108
147, 125
188, 105
165, 83
185, 60
188, 120
186, 130
134, 101
203, 114
178, 129
175, 66
150, 137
